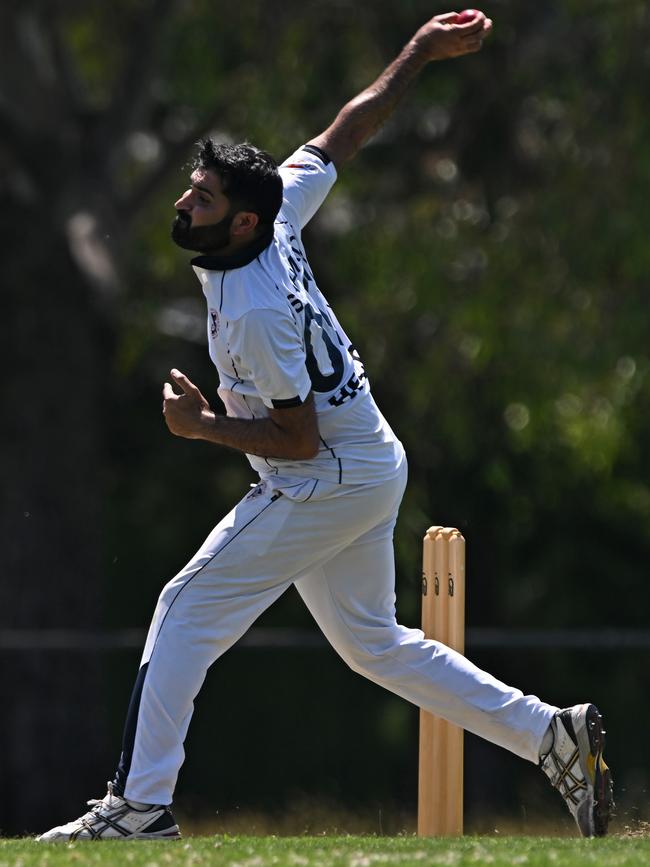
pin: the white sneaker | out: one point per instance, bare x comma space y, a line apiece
576, 768
115, 819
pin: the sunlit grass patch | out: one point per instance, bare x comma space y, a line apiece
403, 851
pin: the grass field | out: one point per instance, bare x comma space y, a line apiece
225, 851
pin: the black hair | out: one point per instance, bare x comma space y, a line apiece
249, 176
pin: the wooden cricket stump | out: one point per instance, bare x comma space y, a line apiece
440, 787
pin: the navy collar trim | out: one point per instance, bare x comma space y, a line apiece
235, 260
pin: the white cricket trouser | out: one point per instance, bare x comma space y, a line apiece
336, 546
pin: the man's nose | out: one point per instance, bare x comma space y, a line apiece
185, 202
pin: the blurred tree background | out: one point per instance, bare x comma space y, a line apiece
487, 252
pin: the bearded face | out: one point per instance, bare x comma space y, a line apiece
201, 239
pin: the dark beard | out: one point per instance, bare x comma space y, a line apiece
201, 239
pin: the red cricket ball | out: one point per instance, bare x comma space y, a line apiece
467, 16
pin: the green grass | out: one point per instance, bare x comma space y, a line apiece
226, 851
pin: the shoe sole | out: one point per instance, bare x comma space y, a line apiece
162, 835
174, 835
591, 739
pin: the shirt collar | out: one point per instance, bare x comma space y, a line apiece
235, 260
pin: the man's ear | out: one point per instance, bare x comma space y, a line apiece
244, 222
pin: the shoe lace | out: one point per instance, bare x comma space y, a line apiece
96, 803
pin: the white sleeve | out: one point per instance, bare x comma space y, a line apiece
307, 175
271, 347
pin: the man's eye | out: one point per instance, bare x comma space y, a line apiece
204, 200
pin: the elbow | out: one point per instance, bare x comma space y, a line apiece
306, 450
313, 452
309, 451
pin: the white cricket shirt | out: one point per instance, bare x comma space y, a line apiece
274, 338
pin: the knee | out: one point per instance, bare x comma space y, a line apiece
367, 657
375, 651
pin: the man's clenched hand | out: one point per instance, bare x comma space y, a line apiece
186, 414
441, 37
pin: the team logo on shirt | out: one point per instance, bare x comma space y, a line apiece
214, 323
308, 167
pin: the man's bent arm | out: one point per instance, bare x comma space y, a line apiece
357, 121
287, 434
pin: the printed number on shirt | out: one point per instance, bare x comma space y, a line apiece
325, 362
325, 352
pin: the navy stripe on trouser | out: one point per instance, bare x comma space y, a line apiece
130, 727
128, 739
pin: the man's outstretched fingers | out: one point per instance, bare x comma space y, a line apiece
168, 391
188, 387
181, 380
